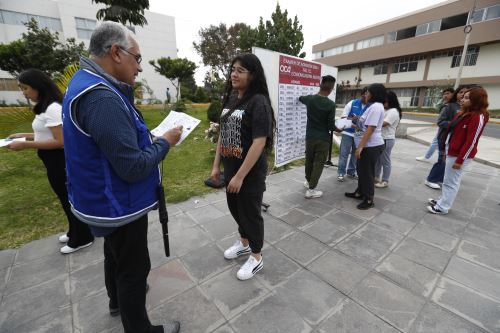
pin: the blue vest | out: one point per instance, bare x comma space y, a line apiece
97, 195
356, 110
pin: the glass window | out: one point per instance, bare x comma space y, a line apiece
421, 29
391, 36
84, 27
434, 26
477, 15
14, 18
493, 12
470, 57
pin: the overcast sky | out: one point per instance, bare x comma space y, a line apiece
320, 19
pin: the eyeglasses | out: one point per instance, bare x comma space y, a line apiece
137, 57
239, 70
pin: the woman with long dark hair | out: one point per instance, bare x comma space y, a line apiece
392, 116
246, 136
463, 135
369, 144
48, 140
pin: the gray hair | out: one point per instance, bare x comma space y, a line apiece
107, 34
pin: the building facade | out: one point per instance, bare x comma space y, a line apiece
418, 54
77, 19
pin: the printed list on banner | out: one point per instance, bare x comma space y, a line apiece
174, 119
297, 78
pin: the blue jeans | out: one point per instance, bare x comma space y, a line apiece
436, 175
384, 161
451, 184
432, 148
347, 146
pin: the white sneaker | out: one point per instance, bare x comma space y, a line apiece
435, 186
313, 194
306, 184
376, 180
64, 238
67, 250
423, 159
249, 268
382, 184
340, 178
236, 250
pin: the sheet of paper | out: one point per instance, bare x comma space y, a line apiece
173, 119
6, 142
343, 123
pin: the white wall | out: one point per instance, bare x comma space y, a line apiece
367, 76
488, 64
157, 39
350, 74
417, 75
493, 95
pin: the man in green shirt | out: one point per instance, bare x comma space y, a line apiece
320, 121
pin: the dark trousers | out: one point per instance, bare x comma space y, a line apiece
246, 210
78, 233
126, 268
366, 171
436, 175
316, 153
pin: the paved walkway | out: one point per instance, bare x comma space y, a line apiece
328, 267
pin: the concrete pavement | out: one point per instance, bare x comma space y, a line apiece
328, 267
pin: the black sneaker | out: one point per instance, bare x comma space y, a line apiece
434, 210
354, 195
366, 205
433, 202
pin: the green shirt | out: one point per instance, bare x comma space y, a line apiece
320, 116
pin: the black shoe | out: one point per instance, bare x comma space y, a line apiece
354, 195
366, 204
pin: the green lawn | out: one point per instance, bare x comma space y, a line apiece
29, 209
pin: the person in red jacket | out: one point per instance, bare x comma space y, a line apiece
463, 136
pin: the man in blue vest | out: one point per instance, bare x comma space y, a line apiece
352, 110
112, 165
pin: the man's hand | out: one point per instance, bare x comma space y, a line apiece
173, 135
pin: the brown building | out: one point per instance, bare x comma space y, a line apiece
418, 54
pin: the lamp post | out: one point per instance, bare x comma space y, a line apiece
467, 31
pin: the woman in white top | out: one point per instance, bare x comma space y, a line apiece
48, 140
391, 121
369, 144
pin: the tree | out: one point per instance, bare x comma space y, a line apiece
175, 70
41, 49
219, 45
280, 34
123, 11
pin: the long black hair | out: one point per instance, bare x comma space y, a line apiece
378, 92
257, 85
393, 102
48, 92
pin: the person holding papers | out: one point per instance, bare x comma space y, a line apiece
48, 140
369, 144
352, 110
320, 120
246, 137
113, 174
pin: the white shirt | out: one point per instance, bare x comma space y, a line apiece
50, 118
391, 116
373, 116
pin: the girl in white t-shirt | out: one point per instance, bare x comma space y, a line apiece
369, 144
47, 138
391, 121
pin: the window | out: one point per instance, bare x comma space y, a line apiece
428, 28
493, 12
338, 50
470, 57
380, 69
478, 15
15, 18
454, 21
84, 27
8, 85
391, 36
412, 93
484, 14
370, 42
407, 64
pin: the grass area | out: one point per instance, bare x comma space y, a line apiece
29, 209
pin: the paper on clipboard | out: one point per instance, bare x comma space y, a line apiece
174, 119
343, 123
6, 142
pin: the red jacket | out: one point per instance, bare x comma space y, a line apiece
466, 134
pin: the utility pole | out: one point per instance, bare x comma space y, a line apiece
467, 31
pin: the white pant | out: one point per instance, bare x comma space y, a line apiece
451, 184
